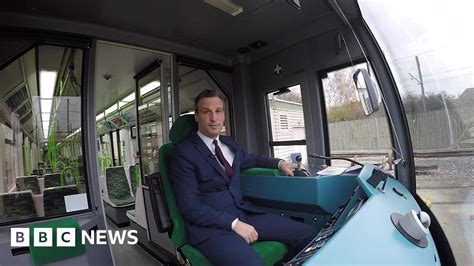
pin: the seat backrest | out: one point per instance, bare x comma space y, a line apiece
117, 184
15, 206
53, 198
28, 183
52, 180
180, 130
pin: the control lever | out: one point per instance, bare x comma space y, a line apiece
300, 171
298, 160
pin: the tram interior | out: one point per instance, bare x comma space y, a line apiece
41, 143
41, 134
43, 126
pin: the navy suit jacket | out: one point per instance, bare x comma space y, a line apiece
208, 200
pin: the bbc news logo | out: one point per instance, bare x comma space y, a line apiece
66, 237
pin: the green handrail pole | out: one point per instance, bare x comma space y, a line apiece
74, 171
137, 174
26, 159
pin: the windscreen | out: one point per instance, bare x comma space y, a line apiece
428, 46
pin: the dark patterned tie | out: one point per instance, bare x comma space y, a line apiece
220, 156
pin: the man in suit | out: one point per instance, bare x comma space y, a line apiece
205, 173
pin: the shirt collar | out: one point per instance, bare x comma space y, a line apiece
207, 140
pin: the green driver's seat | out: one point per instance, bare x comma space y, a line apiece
271, 252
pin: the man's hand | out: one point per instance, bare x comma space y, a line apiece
246, 231
288, 167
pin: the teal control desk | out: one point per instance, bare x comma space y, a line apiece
352, 212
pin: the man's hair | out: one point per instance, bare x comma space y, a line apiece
206, 94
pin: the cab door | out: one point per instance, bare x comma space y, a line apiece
153, 101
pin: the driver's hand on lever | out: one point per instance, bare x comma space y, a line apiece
287, 167
246, 231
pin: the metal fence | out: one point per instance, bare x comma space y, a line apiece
365, 134
429, 130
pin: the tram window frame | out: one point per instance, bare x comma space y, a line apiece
8, 141
324, 74
280, 143
81, 45
228, 128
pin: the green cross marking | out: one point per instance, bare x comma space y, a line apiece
277, 69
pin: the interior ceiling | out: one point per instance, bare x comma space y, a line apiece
10, 48
192, 23
191, 82
119, 64
116, 65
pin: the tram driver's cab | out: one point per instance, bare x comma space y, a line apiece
337, 204
86, 108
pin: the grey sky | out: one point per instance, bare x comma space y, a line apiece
439, 32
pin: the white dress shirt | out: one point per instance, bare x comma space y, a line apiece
228, 154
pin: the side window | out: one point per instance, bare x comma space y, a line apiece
351, 133
285, 111
9, 164
105, 153
42, 174
116, 148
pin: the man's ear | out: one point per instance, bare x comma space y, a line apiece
195, 116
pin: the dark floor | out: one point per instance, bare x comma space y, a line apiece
128, 255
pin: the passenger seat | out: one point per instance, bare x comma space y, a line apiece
16, 206
28, 183
54, 203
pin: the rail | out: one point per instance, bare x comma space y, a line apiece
418, 153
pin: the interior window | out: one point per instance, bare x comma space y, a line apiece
105, 153
9, 161
40, 135
150, 115
131, 128
288, 137
116, 147
351, 132
191, 82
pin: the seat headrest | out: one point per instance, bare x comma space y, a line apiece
182, 128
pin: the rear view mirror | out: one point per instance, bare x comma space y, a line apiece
366, 89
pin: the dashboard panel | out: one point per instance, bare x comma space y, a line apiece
353, 217
343, 214
361, 231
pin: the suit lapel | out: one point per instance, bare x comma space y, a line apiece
207, 154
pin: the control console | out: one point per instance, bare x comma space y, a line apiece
344, 213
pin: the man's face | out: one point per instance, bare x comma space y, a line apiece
210, 116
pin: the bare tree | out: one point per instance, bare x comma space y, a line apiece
292, 96
341, 96
339, 88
